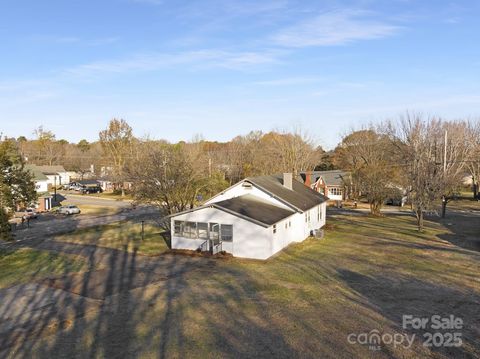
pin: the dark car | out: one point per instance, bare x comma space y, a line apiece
88, 190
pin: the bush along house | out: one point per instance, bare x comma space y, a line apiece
254, 218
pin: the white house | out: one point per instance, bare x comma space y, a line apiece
41, 187
56, 175
40, 180
254, 218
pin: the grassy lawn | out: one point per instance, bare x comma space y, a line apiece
27, 265
112, 195
120, 235
365, 274
98, 210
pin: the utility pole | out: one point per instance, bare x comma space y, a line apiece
55, 188
445, 153
444, 197
164, 166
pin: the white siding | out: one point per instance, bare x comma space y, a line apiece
249, 239
239, 190
58, 179
41, 186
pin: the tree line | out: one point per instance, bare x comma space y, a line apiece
424, 157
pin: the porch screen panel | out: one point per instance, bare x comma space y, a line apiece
177, 228
190, 230
202, 230
227, 232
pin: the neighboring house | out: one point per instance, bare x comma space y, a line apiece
56, 175
334, 184
254, 218
44, 202
40, 179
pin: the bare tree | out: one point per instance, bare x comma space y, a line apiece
369, 156
168, 176
419, 144
472, 162
295, 151
47, 149
117, 143
457, 151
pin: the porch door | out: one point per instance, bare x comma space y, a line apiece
214, 235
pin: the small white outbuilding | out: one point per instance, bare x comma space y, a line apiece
254, 218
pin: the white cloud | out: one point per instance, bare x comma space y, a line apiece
287, 81
197, 59
334, 28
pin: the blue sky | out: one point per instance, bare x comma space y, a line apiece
175, 69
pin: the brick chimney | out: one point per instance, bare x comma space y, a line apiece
288, 180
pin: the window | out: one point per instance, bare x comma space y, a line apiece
202, 230
274, 228
190, 230
286, 225
306, 217
177, 228
227, 232
289, 223
214, 231
334, 191
319, 212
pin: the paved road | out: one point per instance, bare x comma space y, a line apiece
48, 225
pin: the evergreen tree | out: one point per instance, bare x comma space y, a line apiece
16, 185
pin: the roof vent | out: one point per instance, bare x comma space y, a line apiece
288, 180
247, 185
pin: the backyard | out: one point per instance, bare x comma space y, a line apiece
364, 275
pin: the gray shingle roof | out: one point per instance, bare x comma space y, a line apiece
36, 172
251, 207
51, 169
300, 197
331, 178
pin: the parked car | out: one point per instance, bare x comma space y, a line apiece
86, 190
68, 210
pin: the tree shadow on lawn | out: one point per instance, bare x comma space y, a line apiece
464, 228
460, 237
148, 306
395, 296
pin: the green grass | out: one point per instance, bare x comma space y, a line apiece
125, 235
26, 265
98, 210
365, 274
112, 195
